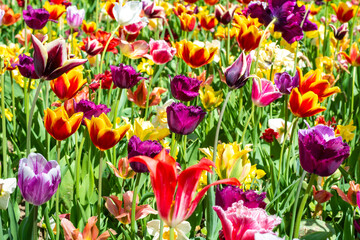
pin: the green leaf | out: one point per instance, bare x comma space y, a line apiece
26, 226
316, 229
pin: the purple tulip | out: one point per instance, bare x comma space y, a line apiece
320, 151
74, 16
146, 148
36, 18
238, 73
265, 95
285, 83
124, 76
288, 18
38, 178
90, 109
184, 119
184, 88
230, 194
339, 33
26, 66
51, 60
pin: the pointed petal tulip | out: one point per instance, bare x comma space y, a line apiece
101, 133
224, 15
238, 73
306, 105
352, 195
266, 95
175, 194
339, 33
67, 85
207, 21
50, 60
124, 170
354, 57
139, 96
59, 125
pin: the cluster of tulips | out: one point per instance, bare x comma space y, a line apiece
180, 120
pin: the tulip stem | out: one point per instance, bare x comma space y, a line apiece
172, 233
133, 205
78, 167
28, 132
295, 205
57, 197
3, 121
100, 188
284, 141
302, 204
293, 128
352, 92
247, 123
35, 230
325, 27
173, 145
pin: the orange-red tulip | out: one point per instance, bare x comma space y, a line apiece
68, 84
306, 105
59, 125
139, 96
211, 2
101, 133
344, 11
207, 21
9, 17
354, 57
88, 28
188, 22
109, 5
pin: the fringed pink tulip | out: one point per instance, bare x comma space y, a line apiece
266, 95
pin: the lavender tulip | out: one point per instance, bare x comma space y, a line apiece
146, 148
285, 83
124, 76
35, 18
184, 88
238, 73
90, 109
184, 119
320, 151
26, 66
38, 178
74, 16
51, 60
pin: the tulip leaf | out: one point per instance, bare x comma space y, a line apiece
316, 229
13, 222
26, 225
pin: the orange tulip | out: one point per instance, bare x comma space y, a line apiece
207, 21
139, 96
249, 37
354, 58
55, 10
68, 84
101, 133
9, 17
88, 28
194, 54
313, 81
188, 22
306, 105
59, 125
344, 11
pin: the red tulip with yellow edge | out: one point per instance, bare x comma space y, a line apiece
59, 125
195, 54
313, 81
101, 133
207, 21
354, 57
248, 37
344, 11
88, 28
306, 105
222, 32
55, 10
67, 85
187, 21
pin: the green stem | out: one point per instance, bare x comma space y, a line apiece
13, 100
47, 222
352, 92
285, 137
35, 229
302, 205
293, 129
78, 167
117, 105
228, 45
100, 187
3, 121
184, 149
295, 206
57, 197
133, 205
247, 123
326, 25
152, 79
28, 132
161, 229
172, 233
1, 230
173, 145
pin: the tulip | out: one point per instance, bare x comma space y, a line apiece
69, 105
195, 54
121, 210
248, 37
134, 50
124, 170
210, 99
175, 193
109, 6
67, 85
160, 51
92, 47
139, 96
26, 67
9, 17
320, 151
101, 133
105, 79
131, 31
184, 119
339, 33
125, 76
345, 11
58, 124
211, 2
50, 60
146, 130
88, 28
74, 16
147, 148
306, 105
352, 193
285, 83
224, 16
207, 21
103, 37
278, 125
187, 21
238, 73
55, 10
321, 196
38, 179
151, 10
128, 13
184, 88
90, 109
223, 32
35, 18
354, 57
7, 187
257, 221
266, 95
90, 231
180, 231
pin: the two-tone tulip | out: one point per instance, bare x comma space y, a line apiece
305, 105
92, 46
248, 37
354, 57
187, 21
58, 124
55, 10
238, 73
134, 50
88, 28
160, 51
266, 94
339, 33
139, 96
51, 60
223, 15
101, 133
345, 11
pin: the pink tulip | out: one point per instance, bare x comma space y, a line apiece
134, 50
266, 95
160, 51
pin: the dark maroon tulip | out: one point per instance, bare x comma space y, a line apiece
93, 47
26, 66
90, 109
238, 73
184, 88
184, 119
35, 18
138, 148
124, 76
285, 83
320, 151
224, 16
339, 33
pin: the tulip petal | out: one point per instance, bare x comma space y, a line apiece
67, 66
40, 56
